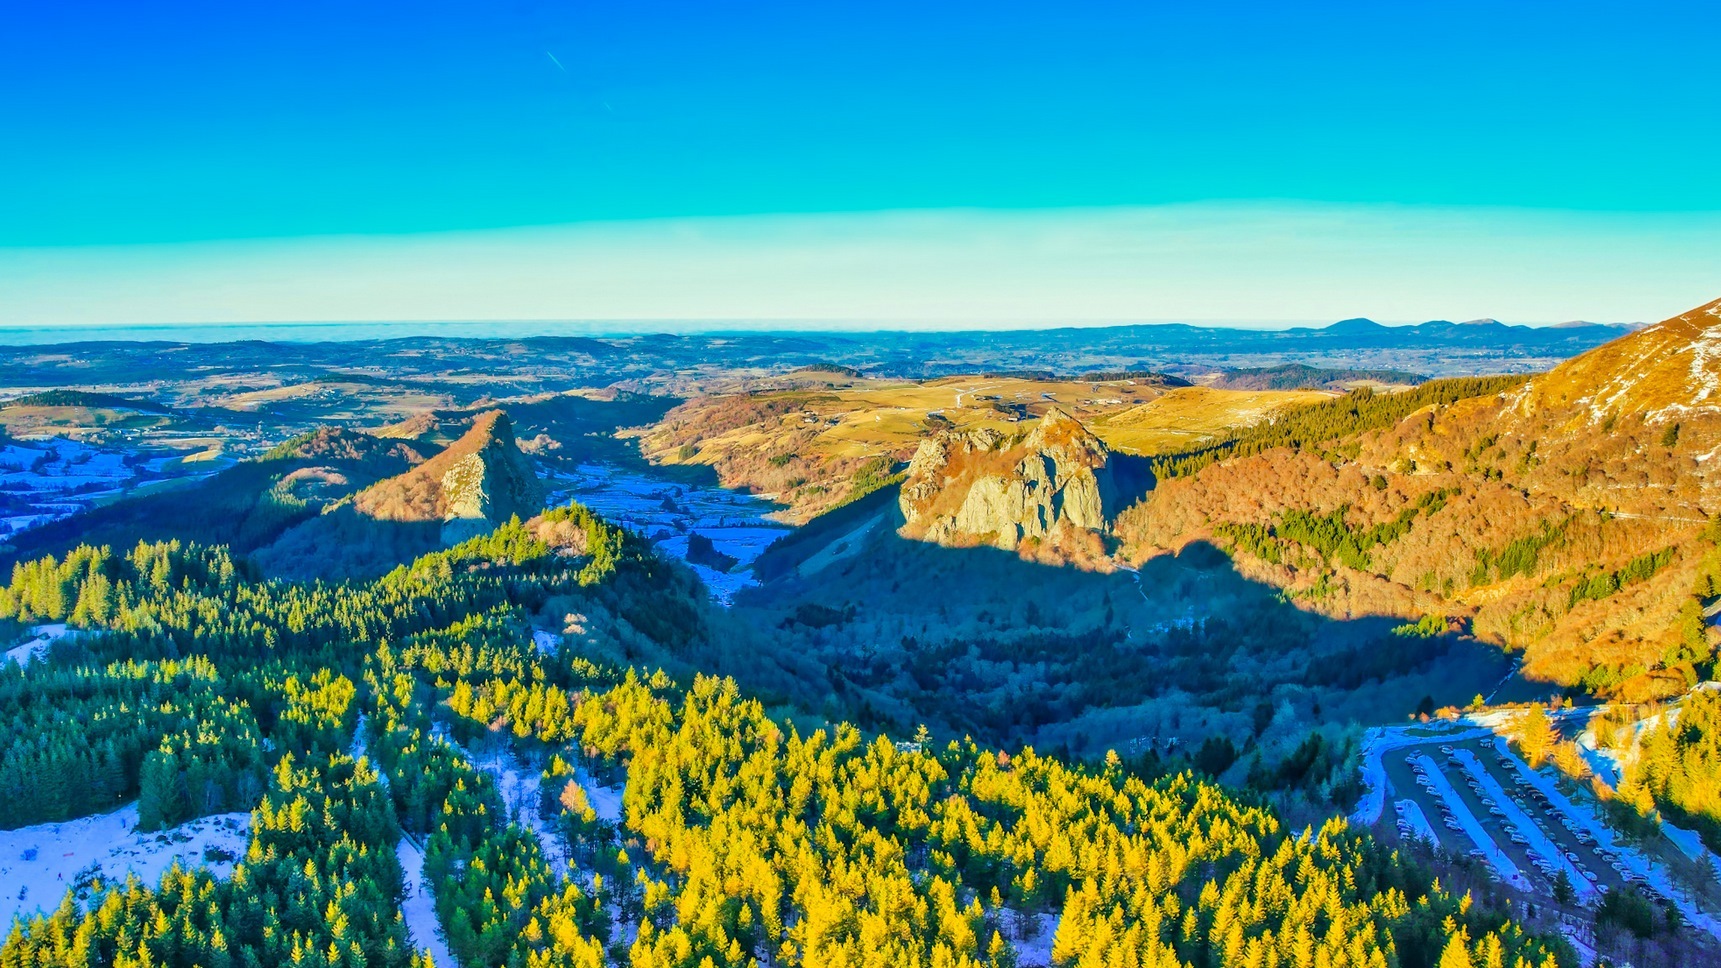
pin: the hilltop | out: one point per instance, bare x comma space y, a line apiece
1057, 485
477, 482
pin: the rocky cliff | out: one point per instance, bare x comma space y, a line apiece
985, 487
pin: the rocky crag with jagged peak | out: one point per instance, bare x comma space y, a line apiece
984, 487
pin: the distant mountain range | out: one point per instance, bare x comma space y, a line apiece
1436, 348
1473, 332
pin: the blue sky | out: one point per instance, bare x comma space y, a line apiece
223, 143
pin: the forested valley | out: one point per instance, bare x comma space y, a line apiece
347, 717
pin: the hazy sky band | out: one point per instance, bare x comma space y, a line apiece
1254, 264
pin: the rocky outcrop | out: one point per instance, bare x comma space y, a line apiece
983, 487
480, 481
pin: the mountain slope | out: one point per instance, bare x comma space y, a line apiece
478, 481
1565, 516
1668, 371
247, 506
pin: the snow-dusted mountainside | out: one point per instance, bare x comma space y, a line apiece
1670, 371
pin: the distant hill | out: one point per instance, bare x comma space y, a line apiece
247, 506
1299, 376
81, 398
690, 364
1352, 328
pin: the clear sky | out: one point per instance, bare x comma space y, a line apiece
906, 162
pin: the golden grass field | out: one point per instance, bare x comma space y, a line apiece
76, 421
1185, 417
865, 417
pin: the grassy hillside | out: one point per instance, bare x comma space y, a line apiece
1565, 516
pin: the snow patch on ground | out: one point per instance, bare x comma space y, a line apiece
1705, 364
107, 846
45, 480
41, 638
667, 513
1031, 936
1415, 821
605, 800
1377, 741
547, 642
419, 907
521, 790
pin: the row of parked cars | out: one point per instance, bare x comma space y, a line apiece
1540, 810
1446, 818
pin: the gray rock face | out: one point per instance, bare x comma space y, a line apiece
487, 486
981, 486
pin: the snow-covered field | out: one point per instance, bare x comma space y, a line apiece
38, 864
667, 513
45, 480
605, 800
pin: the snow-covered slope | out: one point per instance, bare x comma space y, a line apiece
39, 863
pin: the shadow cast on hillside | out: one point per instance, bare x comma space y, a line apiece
980, 640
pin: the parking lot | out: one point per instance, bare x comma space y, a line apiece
1479, 806
1476, 798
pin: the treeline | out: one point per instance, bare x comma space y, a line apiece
81, 398
1677, 767
1297, 376
1604, 584
178, 736
1304, 427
